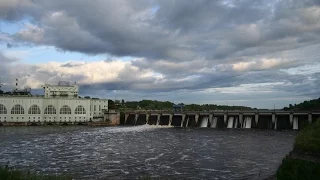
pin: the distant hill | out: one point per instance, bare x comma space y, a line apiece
306, 105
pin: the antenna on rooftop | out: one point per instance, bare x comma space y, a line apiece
0, 83
16, 84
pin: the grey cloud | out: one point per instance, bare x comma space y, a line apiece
302, 86
177, 31
15, 10
5, 66
187, 42
9, 45
4, 60
70, 64
131, 87
176, 69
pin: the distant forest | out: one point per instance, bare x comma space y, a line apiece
167, 105
306, 105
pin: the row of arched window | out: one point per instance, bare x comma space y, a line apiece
34, 109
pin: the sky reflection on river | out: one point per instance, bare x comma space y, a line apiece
133, 152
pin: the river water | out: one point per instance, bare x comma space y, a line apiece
140, 151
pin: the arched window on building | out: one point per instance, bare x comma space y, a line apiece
50, 110
65, 110
34, 109
80, 110
3, 109
17, 109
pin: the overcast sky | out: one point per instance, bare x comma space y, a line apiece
245, 52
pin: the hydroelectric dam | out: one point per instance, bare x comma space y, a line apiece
260, 119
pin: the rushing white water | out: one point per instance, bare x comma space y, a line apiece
235, 123
204, 122
225, 118
256, 118
230, 122
291, 118
213, 123
295, 123
187, 122
131, 129
247, 122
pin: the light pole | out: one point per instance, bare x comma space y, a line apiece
0, 84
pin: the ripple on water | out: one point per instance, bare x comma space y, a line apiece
132, 152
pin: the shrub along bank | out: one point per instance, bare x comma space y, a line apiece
304, 161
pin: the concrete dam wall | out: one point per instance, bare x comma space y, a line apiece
224, 119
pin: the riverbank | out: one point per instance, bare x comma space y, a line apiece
303, 162
9, 173
86, 123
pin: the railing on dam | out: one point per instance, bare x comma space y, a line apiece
264, 119
219, 111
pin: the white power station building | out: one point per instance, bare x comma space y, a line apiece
60, 103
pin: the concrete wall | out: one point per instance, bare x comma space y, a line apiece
225, 119
113, 117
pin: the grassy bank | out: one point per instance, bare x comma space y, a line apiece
308, 140
304, 161
9, 173
297, 169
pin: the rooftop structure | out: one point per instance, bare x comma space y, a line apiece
63, 89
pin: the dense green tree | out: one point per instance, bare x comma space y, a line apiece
167, 105
305, 105
117, 102
111, 104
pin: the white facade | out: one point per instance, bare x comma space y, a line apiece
64, 90
51, 109
98, 107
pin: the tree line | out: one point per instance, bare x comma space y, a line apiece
167, 105
305, 105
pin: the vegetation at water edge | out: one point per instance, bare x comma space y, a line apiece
304, 161
298, 169
9, 173
308, 140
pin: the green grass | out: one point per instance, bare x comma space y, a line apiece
296, 169
308, 140
9, 173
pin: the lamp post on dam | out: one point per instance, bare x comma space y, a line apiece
260, 119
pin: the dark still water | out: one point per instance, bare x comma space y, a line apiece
135, 152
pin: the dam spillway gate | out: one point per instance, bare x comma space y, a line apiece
224, 119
